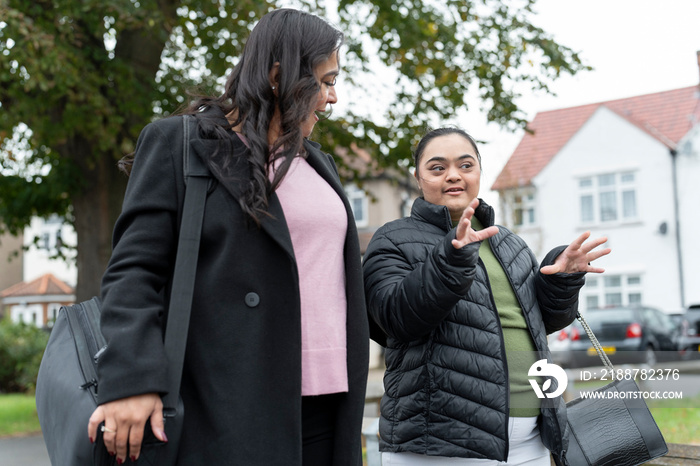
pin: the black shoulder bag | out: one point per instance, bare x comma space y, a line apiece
67, 389
615, 428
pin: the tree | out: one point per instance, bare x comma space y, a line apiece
80, 78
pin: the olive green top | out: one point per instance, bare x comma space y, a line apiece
521, 352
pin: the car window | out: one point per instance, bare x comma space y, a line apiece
610, 316
665, 320
650, 318
693, 315
693, 318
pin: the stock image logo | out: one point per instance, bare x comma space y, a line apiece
544, 369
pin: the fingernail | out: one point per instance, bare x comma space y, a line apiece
162, 434
119, 461
133, 458
91, 440
111, 453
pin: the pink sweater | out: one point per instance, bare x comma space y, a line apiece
318, 225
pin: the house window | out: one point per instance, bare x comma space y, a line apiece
613, 290
53, 309
521, 207
46, 241
609, 197
59, 240
592, 302
359, 204
524, 209
31, 314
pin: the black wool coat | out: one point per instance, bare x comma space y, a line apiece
446, 383
241, 384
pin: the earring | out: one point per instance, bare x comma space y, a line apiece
273, 88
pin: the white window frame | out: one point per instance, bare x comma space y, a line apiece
31, 314
629, 286
355, 195
52, 313
523, 200
527, 207
593, 187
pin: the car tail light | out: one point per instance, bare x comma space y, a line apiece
562, 335
634, 331
575, 335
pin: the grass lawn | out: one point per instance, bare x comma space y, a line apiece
678, 422
18, 415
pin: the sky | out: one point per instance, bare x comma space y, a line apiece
636, 47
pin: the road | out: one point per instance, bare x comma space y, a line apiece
23, 451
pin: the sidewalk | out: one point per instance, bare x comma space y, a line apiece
24, 451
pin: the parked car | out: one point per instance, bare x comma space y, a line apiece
689, 342
638, 335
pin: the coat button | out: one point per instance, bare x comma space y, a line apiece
252, 299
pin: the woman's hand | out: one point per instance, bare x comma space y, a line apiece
465, 233
124, 422
577, 257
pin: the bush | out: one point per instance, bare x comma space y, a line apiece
21, 349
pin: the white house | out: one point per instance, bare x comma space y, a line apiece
385, 195
44, 239
628, 169
37, 302
45, 280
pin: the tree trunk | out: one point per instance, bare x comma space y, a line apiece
98, 205
95, 211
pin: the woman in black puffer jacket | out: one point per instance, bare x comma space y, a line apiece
466, 310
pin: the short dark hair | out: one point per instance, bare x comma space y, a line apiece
436, 133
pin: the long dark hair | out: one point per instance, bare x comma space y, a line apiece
436, 133
299, 42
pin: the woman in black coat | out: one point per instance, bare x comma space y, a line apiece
466, 309
277, 351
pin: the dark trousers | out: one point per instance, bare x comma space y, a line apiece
318, 418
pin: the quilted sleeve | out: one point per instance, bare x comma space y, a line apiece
557, 294
409, 300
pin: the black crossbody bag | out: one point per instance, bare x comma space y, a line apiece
67, 390
615, 429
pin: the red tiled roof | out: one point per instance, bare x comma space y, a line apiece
667, 116
44, 285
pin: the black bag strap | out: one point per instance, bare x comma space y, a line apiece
196, 179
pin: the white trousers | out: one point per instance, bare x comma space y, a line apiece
525, 449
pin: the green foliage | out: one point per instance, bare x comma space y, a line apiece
443, 50
80, 78
21, 349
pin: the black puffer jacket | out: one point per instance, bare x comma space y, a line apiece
446, 383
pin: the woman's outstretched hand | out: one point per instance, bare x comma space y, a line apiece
577, 257
124, 422
465, 233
